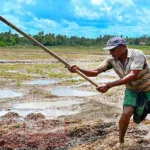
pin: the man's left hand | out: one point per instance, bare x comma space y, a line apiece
103, 88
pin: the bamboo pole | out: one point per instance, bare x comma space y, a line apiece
45, 48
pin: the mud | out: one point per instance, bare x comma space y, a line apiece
94, 127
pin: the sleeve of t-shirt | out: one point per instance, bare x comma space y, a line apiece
138, 61
105, 65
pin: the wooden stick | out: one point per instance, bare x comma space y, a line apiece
46, 49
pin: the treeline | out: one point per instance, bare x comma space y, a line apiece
50, 39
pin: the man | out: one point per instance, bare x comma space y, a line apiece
133, 70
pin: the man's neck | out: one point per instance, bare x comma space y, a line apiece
124, 56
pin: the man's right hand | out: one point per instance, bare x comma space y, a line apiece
73, 68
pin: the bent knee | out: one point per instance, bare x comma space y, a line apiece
128, 111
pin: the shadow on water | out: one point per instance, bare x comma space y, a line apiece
9, 94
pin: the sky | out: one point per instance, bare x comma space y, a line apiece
83, 18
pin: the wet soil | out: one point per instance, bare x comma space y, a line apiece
94, 127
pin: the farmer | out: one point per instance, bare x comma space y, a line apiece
132, 68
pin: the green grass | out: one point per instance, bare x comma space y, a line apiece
14, 76
35, 52
144, 48
59, 75
30, 68
27, 71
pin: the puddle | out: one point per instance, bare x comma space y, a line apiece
45, 105
101, 80
104, 77
3, 112
110, 73
67, 91
49, 109
105, 80
9, 94
41, 82
48, 113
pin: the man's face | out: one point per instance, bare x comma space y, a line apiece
117, 52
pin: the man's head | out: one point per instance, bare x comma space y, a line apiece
114, 42
117, 47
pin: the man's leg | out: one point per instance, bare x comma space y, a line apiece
124, 122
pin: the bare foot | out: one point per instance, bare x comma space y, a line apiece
119, 146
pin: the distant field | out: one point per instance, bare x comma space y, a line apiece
145, 49
41, 64
70, 48
35, 52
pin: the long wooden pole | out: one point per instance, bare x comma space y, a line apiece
45, 48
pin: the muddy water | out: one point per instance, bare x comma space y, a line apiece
110, 73
49, 109
99, 80
104, 77
105, 80
41, 82
47, 81
9, 94
67, 91
45, 105
48, 113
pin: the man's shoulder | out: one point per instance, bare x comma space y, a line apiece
134, 50
109, 58
135, 53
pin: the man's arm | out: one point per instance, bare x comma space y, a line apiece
125, 80
91, 72
87, 72
105, 65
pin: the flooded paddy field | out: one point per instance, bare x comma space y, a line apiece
44, 106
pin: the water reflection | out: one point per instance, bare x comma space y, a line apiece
41, 82
48, 113
48, 109
67, 91
45, 105
105, 80
101, 80
9, 94
110, 73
